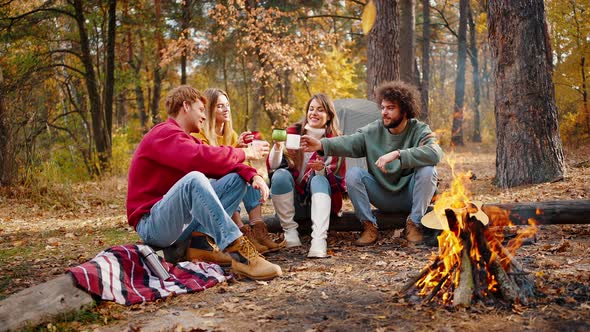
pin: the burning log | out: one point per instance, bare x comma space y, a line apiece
481, 268
463, 293
420, 275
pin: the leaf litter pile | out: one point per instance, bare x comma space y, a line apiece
357, 288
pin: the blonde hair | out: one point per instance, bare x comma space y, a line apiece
212, 94
332, 125
177, 96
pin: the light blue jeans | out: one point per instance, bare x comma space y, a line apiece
283, 182
195, 204
364, 190
251, 198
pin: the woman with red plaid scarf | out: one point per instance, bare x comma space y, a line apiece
307, 184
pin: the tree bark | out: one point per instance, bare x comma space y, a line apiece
109, 86
383, 46
407, 44
7, 166
99, 132
425, 86
157, 87
529, 147
32, 306
457, 129
476, 84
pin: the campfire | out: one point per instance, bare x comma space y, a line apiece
473, 263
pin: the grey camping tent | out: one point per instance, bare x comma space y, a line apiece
354, 114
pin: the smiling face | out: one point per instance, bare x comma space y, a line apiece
222, 109
317, 115
195, 114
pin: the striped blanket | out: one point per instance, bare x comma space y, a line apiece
120, 274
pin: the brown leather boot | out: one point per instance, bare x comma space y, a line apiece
247, 231
204, 249
414, 232
369, 234
246, 261
260, 232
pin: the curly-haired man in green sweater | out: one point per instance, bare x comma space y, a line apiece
401, 154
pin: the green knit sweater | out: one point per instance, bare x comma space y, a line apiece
416, 143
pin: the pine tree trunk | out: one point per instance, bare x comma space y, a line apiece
476, 85
407, 43
457, 129
383, 46
424, 116
529, 147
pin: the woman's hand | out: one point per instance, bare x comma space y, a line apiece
317, 164
258, 183
244, 139
386, 159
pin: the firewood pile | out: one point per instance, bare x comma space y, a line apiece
473, 262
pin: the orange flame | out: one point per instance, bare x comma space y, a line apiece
444, 275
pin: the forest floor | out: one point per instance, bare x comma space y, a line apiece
356, 289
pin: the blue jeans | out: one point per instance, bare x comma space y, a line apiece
283, 182
251, 198
364, 190
195, 204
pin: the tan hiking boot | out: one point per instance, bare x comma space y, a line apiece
369, 234
261, 235
246, 261
414, 232
247, 231
204, 249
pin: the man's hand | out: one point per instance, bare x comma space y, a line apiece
310, 144
387, 158
257, 151
258, 183
243, 138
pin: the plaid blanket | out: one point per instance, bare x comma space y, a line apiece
120, 274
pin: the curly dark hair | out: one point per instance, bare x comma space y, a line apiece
405, 94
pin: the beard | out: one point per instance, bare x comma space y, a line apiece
394, 122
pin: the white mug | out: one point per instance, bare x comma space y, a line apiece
293, 141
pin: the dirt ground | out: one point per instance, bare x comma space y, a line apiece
356, 289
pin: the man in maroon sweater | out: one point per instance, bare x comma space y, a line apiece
170, 194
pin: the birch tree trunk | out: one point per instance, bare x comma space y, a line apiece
529, 147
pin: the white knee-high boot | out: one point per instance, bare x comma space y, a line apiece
320, 218
285, 208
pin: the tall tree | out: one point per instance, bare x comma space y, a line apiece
407, 43
383, 58
476, 84
529, 147
159, 72
425, 83
100, 130
6, 163
457, 129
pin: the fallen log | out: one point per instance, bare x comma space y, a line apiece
34, 305
551, 213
